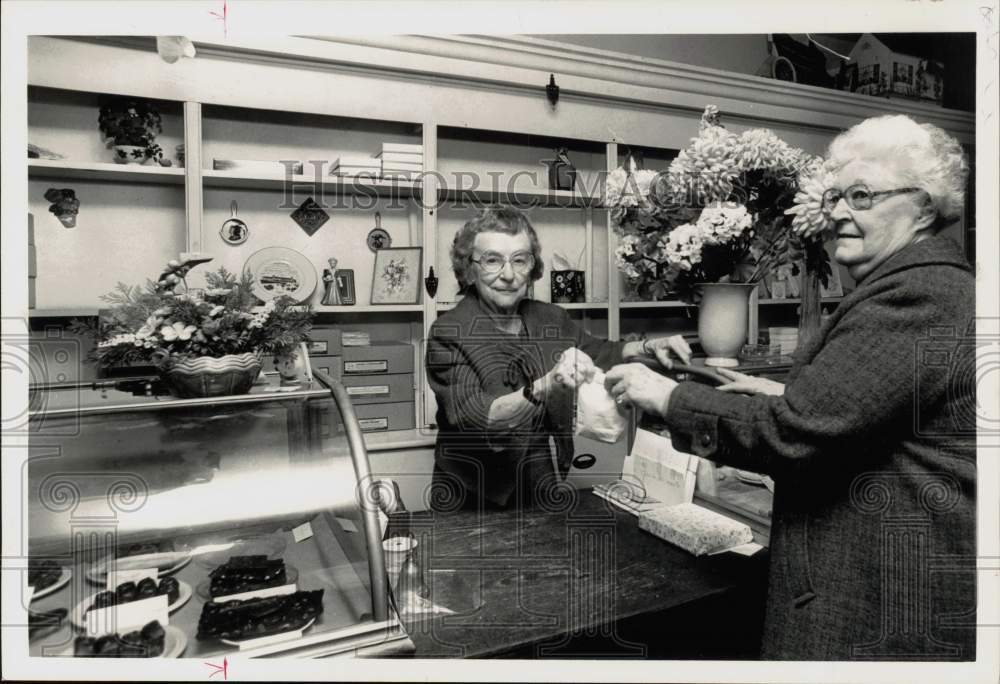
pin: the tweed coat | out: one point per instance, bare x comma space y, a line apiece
872, 450
470, 364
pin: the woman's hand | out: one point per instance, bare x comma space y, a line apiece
748, 384
572, 370
632, 384
663, 347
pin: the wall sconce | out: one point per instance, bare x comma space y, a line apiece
552, 90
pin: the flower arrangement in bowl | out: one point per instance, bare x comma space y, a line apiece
204, 342
731, 208
131, 126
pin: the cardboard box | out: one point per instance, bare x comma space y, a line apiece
325, 342
378, 358
379, 389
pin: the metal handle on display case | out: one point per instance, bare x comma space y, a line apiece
369, 507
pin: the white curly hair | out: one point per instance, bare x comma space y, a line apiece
923, 154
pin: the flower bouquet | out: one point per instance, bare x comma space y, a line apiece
219, 328
730, 208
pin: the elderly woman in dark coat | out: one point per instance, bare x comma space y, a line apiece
504, 369
871, 443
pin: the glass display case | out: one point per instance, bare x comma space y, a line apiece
240, 523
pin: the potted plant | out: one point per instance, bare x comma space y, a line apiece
208, 342
130, 127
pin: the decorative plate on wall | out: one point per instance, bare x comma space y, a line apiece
279, 271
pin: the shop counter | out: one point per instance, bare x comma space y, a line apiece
576, 578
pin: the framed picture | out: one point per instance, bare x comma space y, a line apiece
345, 285
397, 275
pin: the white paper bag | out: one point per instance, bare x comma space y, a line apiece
597, 414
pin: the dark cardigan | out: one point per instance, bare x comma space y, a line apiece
469, 364
872, 449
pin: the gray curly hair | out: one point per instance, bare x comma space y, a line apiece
924, 154
499, 219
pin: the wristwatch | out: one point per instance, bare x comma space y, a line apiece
529, 394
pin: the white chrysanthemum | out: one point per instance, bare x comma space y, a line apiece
721, 224
809, 219
683, 246
705, 170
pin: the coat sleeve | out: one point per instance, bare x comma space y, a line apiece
858, 390
462, 379
604, 353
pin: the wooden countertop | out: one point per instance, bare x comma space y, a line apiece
580, 575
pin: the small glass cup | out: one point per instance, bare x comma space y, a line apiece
395, 550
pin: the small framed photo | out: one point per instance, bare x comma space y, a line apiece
398, 271
345, 286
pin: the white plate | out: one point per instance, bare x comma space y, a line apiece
79, 614
52, 588
174, 643
271, 638
281, 271
166, 563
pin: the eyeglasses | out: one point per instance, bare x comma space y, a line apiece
492, 262
858, 197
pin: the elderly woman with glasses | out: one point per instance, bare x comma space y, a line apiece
871, 443
504, 369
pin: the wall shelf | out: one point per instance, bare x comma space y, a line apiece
655, 305
340, 186
63, 313
567, 199
574, 306
101, 171
369, 308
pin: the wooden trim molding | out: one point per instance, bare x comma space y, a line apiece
519, 65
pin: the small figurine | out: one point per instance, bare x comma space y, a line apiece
331, 297
176, 271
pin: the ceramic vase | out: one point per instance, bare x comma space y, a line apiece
205, 376
722, 321
811, 309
